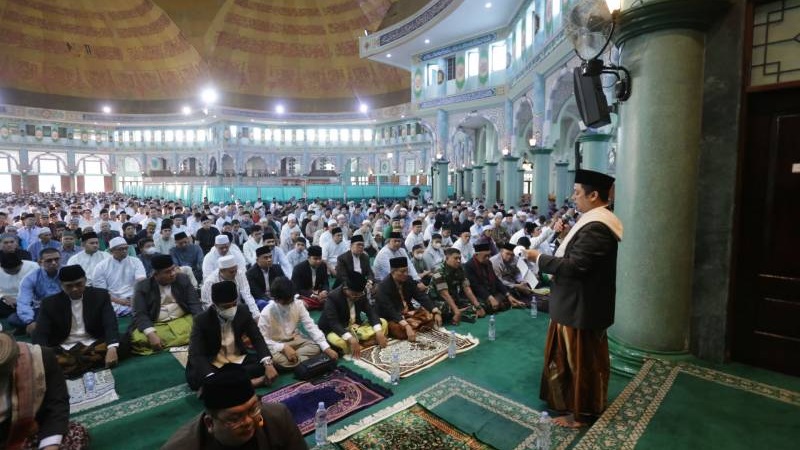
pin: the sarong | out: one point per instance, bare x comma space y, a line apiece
576, 370
364, 333
419, 319
81, 359
173, 333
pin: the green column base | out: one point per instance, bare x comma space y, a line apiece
626, 360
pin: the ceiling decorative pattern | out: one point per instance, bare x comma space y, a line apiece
137, 50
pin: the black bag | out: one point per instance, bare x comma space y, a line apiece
314, 367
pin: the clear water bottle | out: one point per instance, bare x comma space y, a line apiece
534, 307
451, 348
395, 372
492, 328
321, 424
544, 431
89, 381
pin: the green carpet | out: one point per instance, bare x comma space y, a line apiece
686, 406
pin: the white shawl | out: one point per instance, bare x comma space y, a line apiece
600, 214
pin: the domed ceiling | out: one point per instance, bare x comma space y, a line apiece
256, 52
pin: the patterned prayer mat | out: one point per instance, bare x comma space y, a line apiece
493, 418
83, 397
110, 413
343, 391
624, 422
429, 349
406, 426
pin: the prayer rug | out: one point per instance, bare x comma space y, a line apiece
406, 426
659, 409
82, 397
490, 417
343, 391
181, 354
429, 349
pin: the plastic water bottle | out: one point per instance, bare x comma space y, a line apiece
451, 348
395, 373
321, 424
492, 328
544, 431
89, 381
534, 308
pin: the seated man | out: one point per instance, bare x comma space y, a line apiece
278, 256
354, 260
118, 275
422, 266
9, 243
310, 279
217, 340
331, 251
163, 307
341, 317
280, 325
393, 249
222, 247
14, 270
38, 284
68, 247
39, 419
187, 254
506, 267
261, 276
451, 290
298, 254
79, 324
90, 257
492, 293
235, 418
45, 240
400, 302
229, 270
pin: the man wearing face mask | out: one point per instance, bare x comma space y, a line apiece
434, 255
79, 324
280, 324
235, 418
229, 270
217, 340
119, 274
424, 270
147, 250
90, 257
13, 271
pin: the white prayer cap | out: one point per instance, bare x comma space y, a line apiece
365, 222
487, 228
291, 217
227, 261
403, 209
498, 215
222, 239
340, 216
263, 219
117, 241
522, 214
314, 218
45, 230
332, 222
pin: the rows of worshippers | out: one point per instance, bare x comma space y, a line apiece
235, 283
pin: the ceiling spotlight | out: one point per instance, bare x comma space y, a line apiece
186, 110
488, 5
388, 55
427, 41
280, 109
209, 95
106, 109
363, 108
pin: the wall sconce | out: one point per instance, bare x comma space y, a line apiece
505, 151
439, 155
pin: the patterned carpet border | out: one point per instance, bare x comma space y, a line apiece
624, 422
502, 406
116, 411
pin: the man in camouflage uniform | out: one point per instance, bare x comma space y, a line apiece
451, 293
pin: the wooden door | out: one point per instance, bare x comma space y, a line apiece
767, 287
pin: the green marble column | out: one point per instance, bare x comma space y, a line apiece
509, 184
459, 181
491, 183
468, 183
477, 182
594, 148
656, 173
563, 182
440, 180
541, 177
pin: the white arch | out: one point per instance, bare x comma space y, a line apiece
60, 159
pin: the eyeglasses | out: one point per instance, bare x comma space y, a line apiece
238, 421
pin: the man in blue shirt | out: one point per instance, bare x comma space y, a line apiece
37, 285
45, 240
187, 254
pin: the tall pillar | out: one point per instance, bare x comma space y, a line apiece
538, 108
510, 182
24, 169
459, 182
442, 133
491, 183
477, 182
541, 177
659, 142
440, 181
509, 118
468, 183
594, 148
563, 182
